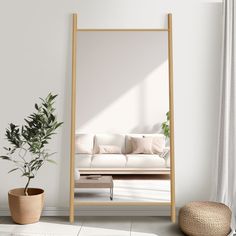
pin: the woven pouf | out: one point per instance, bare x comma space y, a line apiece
205, 219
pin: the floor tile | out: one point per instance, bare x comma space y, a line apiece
95, 231
160, 226
40, 228
92, 226
109, 222
78, 221
106, 225
143, 234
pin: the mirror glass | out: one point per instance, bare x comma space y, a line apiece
122, 128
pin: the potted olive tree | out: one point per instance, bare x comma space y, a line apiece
27, 151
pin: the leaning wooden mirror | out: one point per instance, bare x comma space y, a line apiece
122, 130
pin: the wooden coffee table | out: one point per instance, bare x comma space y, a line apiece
102, 182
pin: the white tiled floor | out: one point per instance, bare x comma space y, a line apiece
92, 226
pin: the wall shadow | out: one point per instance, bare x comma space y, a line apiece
111, 63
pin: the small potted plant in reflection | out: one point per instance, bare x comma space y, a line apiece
165, 126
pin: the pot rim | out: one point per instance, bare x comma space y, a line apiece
17, 195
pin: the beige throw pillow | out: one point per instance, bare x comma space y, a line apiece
111, 149
158, 144
141, 145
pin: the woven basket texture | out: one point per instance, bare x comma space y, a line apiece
205, 219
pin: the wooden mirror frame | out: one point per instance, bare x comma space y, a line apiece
73, 119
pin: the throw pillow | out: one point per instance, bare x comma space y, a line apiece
158, 144
104, 149
141, 145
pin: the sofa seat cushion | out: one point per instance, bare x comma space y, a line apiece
108, 161
83, 160
145, 161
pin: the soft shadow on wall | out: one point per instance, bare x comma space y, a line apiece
122, 81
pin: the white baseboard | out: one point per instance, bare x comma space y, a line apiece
101, 211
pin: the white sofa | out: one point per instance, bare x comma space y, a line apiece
88, 160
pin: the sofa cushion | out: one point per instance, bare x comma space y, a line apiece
109, 139
145, 161
158, 142
141, 145
128, 143
108, 161
83, 160
109, 149
84, 143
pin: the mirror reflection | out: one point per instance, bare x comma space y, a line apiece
122, 117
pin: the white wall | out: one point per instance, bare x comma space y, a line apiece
35, 57
122, 82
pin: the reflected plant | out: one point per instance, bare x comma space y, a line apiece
166, 125
28, 143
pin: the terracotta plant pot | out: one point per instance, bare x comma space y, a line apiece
26, 209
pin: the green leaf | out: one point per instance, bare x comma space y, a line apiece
12, 170
26, 174
51, 161
58, 125
166, 125
52, 117
168, 115
45, 105
5, 158
12, 126
53, 97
